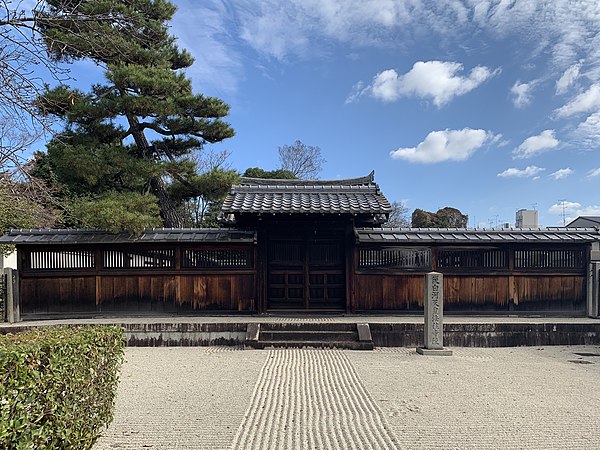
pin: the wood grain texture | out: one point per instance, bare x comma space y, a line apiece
472, 293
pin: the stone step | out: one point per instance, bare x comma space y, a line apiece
312, 336
350, 345
307, 326
324, 335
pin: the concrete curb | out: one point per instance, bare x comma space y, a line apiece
173, 334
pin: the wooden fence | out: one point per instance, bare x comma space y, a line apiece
494, 279
191, 277
137, 278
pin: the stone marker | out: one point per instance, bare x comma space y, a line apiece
252, 335
364, 332
434, 314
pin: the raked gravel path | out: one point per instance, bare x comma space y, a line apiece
228, 398
312, 399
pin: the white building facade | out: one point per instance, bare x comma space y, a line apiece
526, 218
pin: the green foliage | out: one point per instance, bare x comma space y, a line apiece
444, 218
203, 194
422, 219
213, 185
84, 165
280, 174
137, 131
57, 386
452, 218
122, 30
118, 211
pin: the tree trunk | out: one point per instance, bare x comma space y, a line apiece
168, 210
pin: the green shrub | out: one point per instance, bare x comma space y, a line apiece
57, 386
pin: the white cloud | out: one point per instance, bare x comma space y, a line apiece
562, 173
592, 210
572, 210
439, 81
584, 102
211, 30
535, 145
387, 85
527, 172
566, 206
446, 145
296, 27
567, 79
594, 172
357, 91
276, 29
588, 131
522, 93
563, 28
202, 26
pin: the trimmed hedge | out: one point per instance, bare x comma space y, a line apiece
57, 386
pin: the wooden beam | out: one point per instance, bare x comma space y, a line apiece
349, 256
98, 281
513, 292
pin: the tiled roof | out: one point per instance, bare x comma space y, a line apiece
151, 235
263, 196
361, 181
585, 221
475, 236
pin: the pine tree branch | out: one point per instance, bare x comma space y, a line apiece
154, 127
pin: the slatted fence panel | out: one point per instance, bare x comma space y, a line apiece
63, 259
472, 259
146, 259
572, 259
218, 258
394, 258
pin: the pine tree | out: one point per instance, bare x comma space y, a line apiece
135, 133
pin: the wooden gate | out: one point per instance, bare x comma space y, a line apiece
306, 271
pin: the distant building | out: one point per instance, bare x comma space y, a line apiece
584, 222
506, 226
526, 218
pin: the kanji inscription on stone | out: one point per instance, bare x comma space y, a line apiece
434, 311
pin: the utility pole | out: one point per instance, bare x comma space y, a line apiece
564, 212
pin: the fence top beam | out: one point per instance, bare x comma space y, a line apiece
151, 235
465, 236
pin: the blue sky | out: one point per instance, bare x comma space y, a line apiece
486, 106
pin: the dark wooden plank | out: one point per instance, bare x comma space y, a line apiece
200, 293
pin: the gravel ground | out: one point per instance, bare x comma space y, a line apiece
509, 398
218, 397
181, 397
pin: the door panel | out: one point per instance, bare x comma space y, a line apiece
306, 272
286, 290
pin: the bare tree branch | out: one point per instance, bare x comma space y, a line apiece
398, 215
304, 161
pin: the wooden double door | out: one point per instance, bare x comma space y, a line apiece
306, 271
